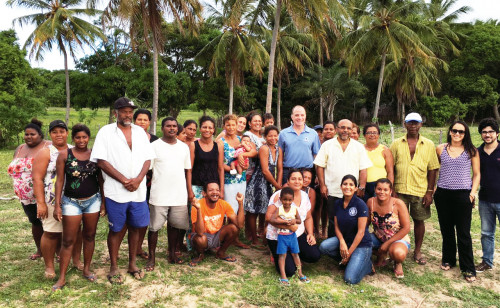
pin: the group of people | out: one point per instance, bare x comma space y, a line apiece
286, 188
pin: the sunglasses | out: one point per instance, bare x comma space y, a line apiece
457, 131
488, 132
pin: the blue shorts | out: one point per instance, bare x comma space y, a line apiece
287, 243
134, 214
75, 207
377, 243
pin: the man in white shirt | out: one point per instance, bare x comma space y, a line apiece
123, 152
169, 196
336, 158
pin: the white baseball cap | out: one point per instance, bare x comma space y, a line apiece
413, 117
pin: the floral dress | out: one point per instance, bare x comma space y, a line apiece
259, 190
258, 141
20, 171
50, 177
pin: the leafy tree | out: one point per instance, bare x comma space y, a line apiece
57, 24
442, 110
17, 102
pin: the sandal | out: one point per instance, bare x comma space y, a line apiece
149, 267
227, 258
194, 262
57, 288
284, 282
176, 261
138, 274
143, 255
115, 279
420, 261
92, 277
398, 274
469, 277
304, 279
445, 266
35, 256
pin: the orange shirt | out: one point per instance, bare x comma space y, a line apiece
214, 218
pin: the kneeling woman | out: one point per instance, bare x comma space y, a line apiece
81, 181
391, 224
309, 251
352, 245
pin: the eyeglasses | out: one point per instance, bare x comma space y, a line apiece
488, 132
345, 128
371, 133
457, 131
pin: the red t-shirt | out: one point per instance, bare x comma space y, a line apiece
213, 218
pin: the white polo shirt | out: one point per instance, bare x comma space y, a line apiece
338, 163
168, 186
110, 145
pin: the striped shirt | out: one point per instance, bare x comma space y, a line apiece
411, 174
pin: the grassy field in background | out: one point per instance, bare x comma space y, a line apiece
251, 281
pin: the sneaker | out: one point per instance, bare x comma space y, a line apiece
233, 172
482, 267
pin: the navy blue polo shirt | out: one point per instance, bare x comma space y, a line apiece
490, 175
347, 220
299, 150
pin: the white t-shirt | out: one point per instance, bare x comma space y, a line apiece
303, 208
339, 163
168, 186
111, 145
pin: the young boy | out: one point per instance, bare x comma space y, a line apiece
287, 240
245, 146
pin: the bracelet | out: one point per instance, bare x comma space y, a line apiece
430, 189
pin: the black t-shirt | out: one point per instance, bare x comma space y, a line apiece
347, 220
490, 175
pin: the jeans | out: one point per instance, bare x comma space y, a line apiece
489, 213
455, 214
360, 263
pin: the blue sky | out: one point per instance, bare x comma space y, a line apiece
482, 10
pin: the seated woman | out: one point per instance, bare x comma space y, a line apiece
309, 251
352, 245
391, 224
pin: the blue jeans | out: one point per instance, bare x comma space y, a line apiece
359, 265
489, 213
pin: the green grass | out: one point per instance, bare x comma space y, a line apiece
250, 281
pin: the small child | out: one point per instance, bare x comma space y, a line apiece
268, 119
245, 146
287, 240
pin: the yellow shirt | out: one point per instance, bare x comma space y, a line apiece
377, 171
411, 174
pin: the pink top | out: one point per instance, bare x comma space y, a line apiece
19, 170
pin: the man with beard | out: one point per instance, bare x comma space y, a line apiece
489, 198
168, 200
123, 152
207, 216
337, 158
415, 168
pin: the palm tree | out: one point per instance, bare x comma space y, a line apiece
146, 16
234, 49
387, 33
57, 24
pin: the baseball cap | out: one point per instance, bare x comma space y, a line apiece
124, 102
57, 123
318, 127
413, 117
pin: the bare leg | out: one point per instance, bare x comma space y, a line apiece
419, 230
228, 235
262, 223
281, 264
140, 252
200, 244
296, 260
77, 249
48, 244
173, 237
37, 232
88, 236
252, 227
133, 242
71, 227
114, 241
152, 241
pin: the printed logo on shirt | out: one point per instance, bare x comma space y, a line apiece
353, 211
306, 139
212, 218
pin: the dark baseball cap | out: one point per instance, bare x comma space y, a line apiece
124, 102
57, 123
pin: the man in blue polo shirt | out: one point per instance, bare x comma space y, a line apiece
489, 196
299, 143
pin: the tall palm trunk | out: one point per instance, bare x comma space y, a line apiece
379, 88
495, 112
231, 92
278, 105
321, 101
66, 74
272, 55
154, 120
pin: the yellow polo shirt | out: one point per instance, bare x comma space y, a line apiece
411, 174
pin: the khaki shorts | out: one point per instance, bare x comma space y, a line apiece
176, 216
50, 224
415, 206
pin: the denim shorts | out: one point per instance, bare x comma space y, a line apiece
74, 207
377, 243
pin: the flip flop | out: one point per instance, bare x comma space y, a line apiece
227, 258
92, 277
149, 268
57, 288
420, 261
398, 274
304, 279
138, 274
35, 256
115, 279
284, 282
469, 277
194, 262
445, 266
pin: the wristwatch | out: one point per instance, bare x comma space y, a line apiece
361, 188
